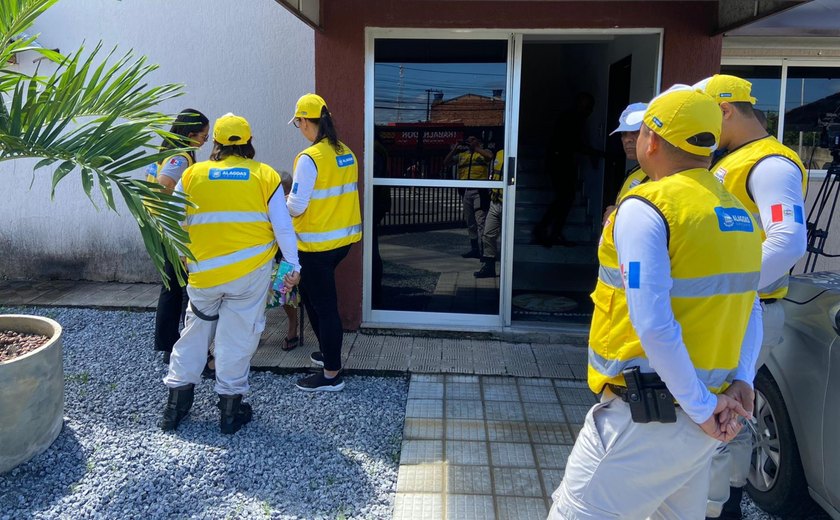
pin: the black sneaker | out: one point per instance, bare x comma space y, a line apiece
317, 358
319, 383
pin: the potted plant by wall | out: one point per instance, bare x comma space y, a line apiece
91, 114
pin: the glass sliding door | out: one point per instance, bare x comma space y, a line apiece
438, 118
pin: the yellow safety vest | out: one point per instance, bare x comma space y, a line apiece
715, 252
472, 166
734, 170
333, 217
153, 169
497, 194
635, 177
230, 234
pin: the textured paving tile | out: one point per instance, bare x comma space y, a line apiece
504, 411
509, 454
463, 391
465, 430
501, 392
416, 506
559, 370
427, 378
466, 453
464, 409
470, 507
543, 412
424, 408
459, 378
538, 394
551, 433
416, 429
421, 478
507, 431
534, 381
423, 390
551, 480
519, 482
519, 508
468, 479
421, 452
498, 380
552, 456
576, 413
578, 396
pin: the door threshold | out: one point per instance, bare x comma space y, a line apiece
568, 334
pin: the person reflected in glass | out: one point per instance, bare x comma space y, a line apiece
493, 223
473, 161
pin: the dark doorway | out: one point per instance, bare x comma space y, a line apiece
618, 98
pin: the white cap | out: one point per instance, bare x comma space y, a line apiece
631, 119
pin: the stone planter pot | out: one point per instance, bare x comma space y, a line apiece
31, 393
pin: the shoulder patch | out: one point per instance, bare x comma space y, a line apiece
229, 174
345, 160
734, 219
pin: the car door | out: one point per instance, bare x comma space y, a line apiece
831, 428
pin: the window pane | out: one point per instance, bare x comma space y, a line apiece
812, 94
766, 88
433, 95
419, 241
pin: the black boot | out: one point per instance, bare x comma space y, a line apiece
488, 268
473, 252
177, 407
235, 413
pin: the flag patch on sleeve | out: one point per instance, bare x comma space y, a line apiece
783, 212
632, 274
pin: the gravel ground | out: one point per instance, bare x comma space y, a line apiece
303, 456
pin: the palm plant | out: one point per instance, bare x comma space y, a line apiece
94, 115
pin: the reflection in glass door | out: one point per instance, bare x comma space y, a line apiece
438, 130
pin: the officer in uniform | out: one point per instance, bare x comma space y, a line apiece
770, 181
324, 204
237, 220
675, 316
493, 222
473, 161
629, 124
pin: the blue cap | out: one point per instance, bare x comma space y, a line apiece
631, 119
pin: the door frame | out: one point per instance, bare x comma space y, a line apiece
450, 321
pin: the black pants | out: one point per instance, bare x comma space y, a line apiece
317, 289
171, 305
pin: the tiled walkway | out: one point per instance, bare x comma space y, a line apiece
486, 447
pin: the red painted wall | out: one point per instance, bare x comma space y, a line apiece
691, 52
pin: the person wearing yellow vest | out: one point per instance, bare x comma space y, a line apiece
238, 219
675, 317
472, 161
324, 204
193, 126
770, 180
629, 124
493, 222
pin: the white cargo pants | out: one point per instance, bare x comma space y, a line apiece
731, 463
240, 306
626, 470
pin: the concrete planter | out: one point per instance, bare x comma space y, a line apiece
31, 393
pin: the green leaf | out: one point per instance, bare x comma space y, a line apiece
61, 172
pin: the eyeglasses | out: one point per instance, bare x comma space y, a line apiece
296, 122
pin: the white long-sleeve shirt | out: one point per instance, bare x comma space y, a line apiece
641, 236
303, 182
281, 224
777, 181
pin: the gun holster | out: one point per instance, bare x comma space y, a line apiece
648, 397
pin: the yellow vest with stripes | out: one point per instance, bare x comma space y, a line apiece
715, 252
497, 194
734, 170
153, 169
634, 178
472, 166
230, 234
333, 217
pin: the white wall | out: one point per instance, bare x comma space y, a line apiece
252, 58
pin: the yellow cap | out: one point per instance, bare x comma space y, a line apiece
727, 89
231, 129
309, 106
687, 118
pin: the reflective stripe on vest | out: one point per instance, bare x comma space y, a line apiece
715, 378
225, 260
335, 234
335, 191
611, 276
728, 283
219, 217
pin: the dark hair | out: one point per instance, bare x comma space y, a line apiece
222, 151
326, 130
744, 107
189, 121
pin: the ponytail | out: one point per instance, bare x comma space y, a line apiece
326, 130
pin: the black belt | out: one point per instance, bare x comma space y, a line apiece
769, 300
